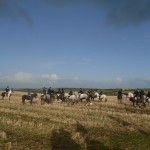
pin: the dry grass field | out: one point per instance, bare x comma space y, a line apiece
56, 126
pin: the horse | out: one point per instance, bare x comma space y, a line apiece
59, 96
76, 94
72, 99
84, 97
46, 98
29, 97
8, 94
91, 95
65, 97
147, 100
130, 95
125, 96
96, 95
52, 94
103, 97
137, 100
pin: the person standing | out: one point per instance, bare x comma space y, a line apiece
119, 96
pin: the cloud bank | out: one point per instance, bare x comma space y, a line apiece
30, 80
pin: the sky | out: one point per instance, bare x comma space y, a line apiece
78, 44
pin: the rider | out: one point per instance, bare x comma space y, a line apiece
62, 91
44, 90
49, 90
101, 92
62, 94
119, 96
136, 93
142, 93
7, 89
71, 92
59, 91
81, 91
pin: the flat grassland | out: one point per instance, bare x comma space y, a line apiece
57, 126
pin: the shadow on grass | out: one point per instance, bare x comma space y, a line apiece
95, 145
61, 140
91, 144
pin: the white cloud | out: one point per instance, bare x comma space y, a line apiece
75, 78
52, 77
23, 77
30, 80
119, 80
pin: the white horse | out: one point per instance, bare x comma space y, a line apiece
46, 99
84, 97
130, 95
66, 97
96, 95
73, 99
147, 100
103, 97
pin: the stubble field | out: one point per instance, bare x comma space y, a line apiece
100, 126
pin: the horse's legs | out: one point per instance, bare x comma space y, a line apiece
31, 101
23, 101
9, 97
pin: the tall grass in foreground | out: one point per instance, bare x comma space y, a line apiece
103, 125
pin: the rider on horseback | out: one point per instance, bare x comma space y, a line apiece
81, 91
71, 92
44, 90
142, 93
101, 92
137, 93
7, 90
49, 91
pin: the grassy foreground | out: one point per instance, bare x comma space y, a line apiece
101, 126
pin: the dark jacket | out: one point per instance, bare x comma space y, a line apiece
119, 94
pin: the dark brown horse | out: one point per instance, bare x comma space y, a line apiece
137, 100
29, 97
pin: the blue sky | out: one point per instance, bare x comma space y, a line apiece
92, 44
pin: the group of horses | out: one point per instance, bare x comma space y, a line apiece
136, 100
76, 97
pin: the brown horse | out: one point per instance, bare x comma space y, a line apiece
29, 97
137, 100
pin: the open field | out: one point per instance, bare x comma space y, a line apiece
101, 126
